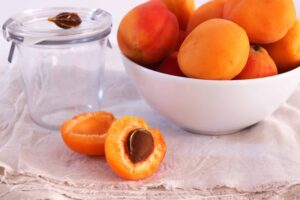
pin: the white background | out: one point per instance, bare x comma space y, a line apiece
117, 8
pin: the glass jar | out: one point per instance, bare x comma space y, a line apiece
62, 69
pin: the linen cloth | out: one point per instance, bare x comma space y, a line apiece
262, 161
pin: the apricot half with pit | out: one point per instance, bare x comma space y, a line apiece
132, 149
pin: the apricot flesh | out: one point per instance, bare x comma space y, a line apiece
216, 50
86, 133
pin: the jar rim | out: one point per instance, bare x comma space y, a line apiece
32, 27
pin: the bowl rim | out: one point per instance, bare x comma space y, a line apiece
243, 81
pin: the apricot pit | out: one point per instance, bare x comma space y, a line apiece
66, 20
139, 145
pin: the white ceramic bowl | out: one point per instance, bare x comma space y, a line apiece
212, 107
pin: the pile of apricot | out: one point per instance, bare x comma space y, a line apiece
220, 40
132, 149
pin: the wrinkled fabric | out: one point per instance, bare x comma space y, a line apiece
262, 161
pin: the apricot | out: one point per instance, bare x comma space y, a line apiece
148, 33
182, 36
286, 52
217, 49
170, 66
210, 10
182, 9
265, 21
86, 133
132, 149
259, 64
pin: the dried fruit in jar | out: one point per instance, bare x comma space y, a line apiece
66, 20
132, 149
86, 133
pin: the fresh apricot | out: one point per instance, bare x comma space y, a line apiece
170, 66
265, 21
182, 36
182, 9
85, 133
132, 149
259, 64
217, 49
210, 10
148, 33
286, 52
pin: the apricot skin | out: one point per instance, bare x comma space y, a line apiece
210, 10
259, 64
265, 21
216, 50
183, 9
148, 33
286, 52
170, 66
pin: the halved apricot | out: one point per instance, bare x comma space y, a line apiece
132, 149
86, 133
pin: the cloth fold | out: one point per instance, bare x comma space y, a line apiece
261, 161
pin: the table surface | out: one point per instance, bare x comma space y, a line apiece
242, 171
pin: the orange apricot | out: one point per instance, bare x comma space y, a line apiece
148, 33
210, 10
286, 52
217, 49
259, 64
132, 149
264, 21
86, 133
182, 9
